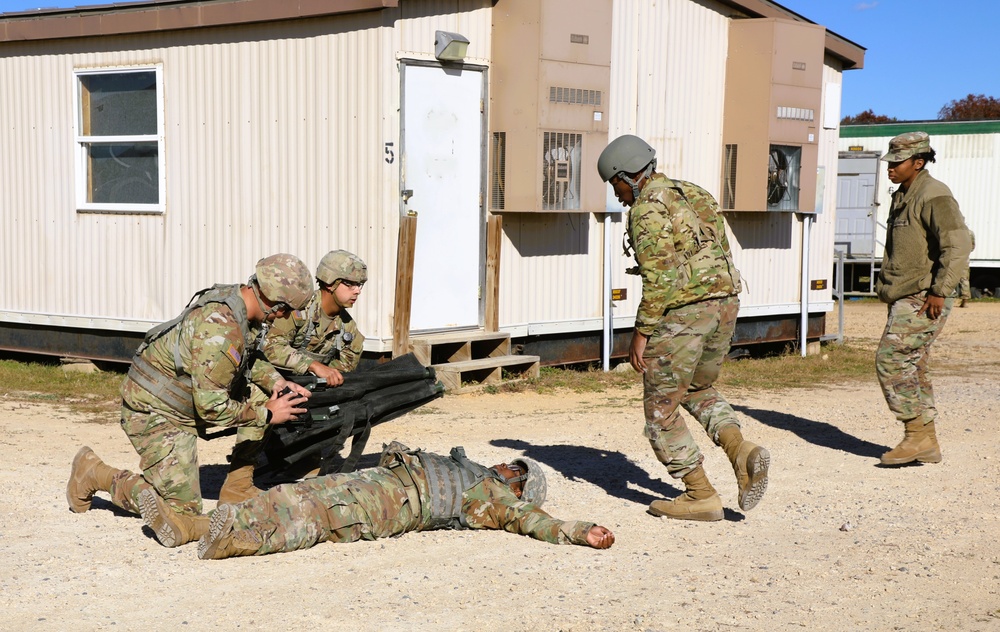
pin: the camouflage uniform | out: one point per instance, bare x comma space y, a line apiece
926, 251
383, 502
688, 310
211, 342
295, 342
310, 335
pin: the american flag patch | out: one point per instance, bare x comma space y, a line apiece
234, 355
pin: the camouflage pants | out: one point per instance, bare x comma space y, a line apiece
901, 361
364, 505
683, 359
168, 458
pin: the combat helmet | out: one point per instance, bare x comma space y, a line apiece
624, 156
340, 265
283, 278
533, 488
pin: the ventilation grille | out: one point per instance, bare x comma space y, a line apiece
796, 114
561, 171
729, 178
574, 96
498, 166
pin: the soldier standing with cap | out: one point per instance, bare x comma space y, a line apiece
190, 373
683, 327
321, 338
927, 250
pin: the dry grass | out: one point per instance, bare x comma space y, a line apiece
771, 367
95, 394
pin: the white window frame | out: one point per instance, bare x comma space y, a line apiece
82, 142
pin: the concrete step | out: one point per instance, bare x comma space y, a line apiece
469, 375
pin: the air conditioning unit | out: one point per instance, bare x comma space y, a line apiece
549, 88
774, 85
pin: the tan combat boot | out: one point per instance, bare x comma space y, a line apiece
223, 541
700, 501
171, 528
750, 463
919, 444
238, 485
87, 475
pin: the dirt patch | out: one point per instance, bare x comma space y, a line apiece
836, 544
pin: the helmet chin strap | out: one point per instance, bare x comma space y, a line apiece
260, 302
648, 171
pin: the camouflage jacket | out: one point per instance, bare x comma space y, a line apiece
927, 243
487, 505
679, 242
309, 334
211, 345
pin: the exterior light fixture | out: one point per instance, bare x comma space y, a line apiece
450, 46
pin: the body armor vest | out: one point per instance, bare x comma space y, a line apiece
448, 477
176, 390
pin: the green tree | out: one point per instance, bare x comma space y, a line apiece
974, 107
868, 117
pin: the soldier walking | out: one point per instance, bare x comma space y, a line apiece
927, 249
683, 328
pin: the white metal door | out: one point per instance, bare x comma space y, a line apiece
442, 180
855, 234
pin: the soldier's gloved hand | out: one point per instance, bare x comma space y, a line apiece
332, 376
286, 402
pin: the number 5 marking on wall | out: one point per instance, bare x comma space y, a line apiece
389, 155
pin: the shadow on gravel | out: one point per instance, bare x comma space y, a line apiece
611, 471
816, 432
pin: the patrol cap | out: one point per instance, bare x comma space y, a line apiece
907, 145
341, 265
283, 278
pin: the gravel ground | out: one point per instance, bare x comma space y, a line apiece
836, 544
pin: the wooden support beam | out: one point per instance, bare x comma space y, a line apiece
405, 247
494, 233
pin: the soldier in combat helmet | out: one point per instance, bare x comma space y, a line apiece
684, 326
190, 373
321, 338
410, 490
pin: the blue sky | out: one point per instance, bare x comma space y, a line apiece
921, 54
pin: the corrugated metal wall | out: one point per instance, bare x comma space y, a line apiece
275, 141
968, 164
275, 138
672, 94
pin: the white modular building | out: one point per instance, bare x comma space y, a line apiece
154, 148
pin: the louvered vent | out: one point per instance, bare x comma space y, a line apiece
729, 178
498, 159
574, 96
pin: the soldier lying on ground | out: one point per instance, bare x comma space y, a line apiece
394, 498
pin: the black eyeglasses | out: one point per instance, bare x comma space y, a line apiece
352, 284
